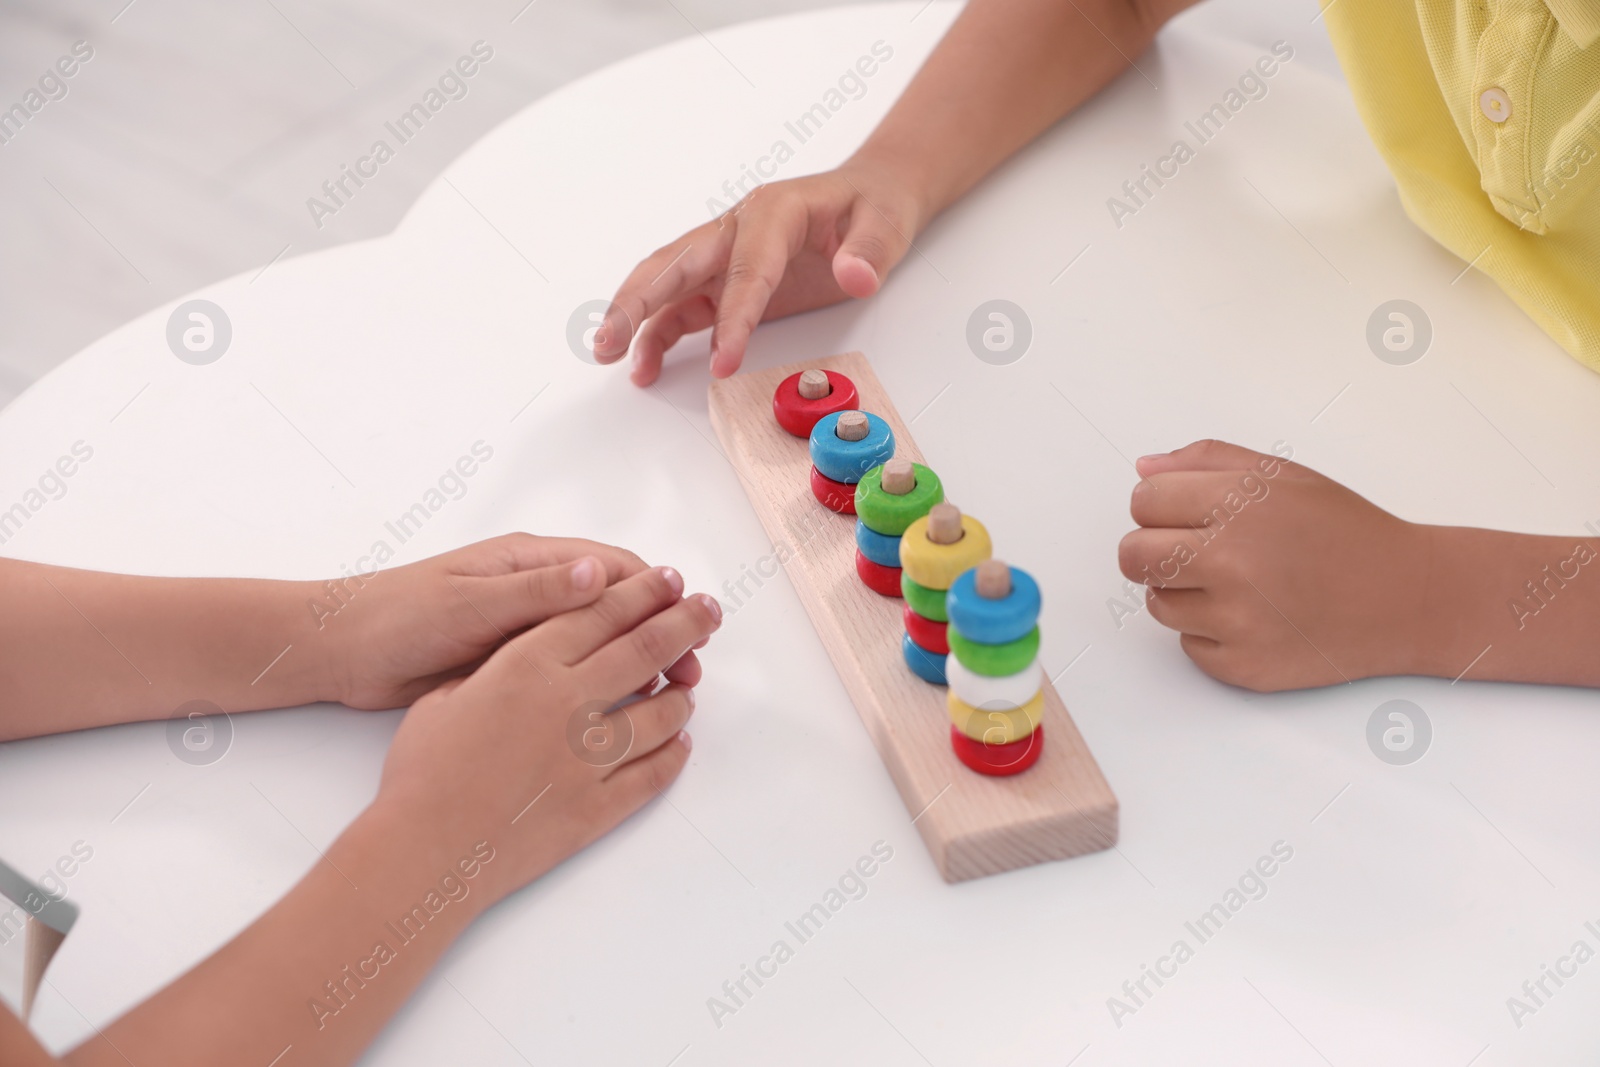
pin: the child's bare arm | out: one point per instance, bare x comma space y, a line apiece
18, 1048
84, 648
481, 793
1006, 71
1281, 578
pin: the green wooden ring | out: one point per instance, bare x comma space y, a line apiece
889, 514
993, 661
929, 603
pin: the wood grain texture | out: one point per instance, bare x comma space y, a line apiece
973, 825
39, 947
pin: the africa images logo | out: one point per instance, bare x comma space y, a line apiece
199, 332
199, 733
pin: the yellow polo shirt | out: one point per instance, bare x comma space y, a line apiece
1488, 113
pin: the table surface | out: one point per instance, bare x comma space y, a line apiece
1234, 304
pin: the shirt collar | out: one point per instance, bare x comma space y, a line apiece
1579, 18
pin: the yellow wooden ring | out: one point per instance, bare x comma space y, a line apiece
936, 566
998, 727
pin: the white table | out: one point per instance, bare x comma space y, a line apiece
1233, 304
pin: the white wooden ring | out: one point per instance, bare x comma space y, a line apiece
994, 693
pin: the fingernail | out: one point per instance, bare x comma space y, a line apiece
688, 694
599, 339
1155, 455
685, 739
584, 574
713, 607
674, 579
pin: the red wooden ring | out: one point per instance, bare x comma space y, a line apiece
925, 632
835, 496
998, 761
878, 578
798, 415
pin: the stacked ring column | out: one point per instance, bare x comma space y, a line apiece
844, 446
888, 500
996, 697
934, 551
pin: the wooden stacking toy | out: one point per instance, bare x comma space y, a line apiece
801, 399
996, 697
934, 550
888, 499
845, 445
975, 821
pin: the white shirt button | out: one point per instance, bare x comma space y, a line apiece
1495, 103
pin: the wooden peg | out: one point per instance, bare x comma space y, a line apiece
814, 385
944, 524
899, 477
852, 426
993, 579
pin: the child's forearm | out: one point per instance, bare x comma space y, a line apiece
84, 648
18, 1046
1511, 607
319, 974
314, 979
1005, 71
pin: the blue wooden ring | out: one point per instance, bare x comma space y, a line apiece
929, 666
879, 548
998, 621
846, 461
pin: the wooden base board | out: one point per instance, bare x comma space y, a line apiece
39, 946
973, 825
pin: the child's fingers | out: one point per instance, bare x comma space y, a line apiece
1209, 654
650, 647
448, 686
1191, 498
667, 274
1167, 559
663, 330
872, 246
1190, 611
513, 602
687, 671
645, 777
1204, 456
655, 721
761, 251
620, 609
524, 551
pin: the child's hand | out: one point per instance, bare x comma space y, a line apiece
472, 757
790, 246
1277, 577
399, 633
